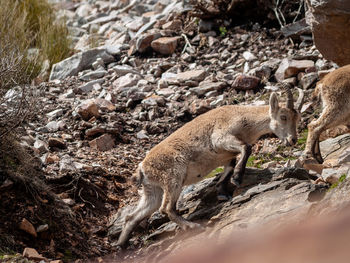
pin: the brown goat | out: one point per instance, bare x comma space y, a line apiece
211, 140
334, 91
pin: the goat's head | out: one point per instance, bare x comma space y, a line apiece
284, 120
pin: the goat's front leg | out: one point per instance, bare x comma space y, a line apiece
224, 180
246, 150
234, 145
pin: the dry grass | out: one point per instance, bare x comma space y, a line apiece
29, 27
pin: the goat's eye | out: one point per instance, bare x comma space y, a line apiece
283, 118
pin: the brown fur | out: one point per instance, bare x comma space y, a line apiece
334, 91
213, 139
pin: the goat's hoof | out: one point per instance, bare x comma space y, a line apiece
117, 247
319, 158
235, 182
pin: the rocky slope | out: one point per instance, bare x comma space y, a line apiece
143, 69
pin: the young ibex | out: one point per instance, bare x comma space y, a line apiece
211, 140
334, 91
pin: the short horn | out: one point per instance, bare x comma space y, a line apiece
300, 101
290, 103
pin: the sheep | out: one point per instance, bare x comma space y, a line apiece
212, 139
334, 91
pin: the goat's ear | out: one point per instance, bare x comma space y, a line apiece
273, 103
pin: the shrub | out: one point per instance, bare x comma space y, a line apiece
29, 34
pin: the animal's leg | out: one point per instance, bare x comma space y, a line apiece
171, 193
315, 128
221, 185
150, 201
317, 150
233, 144
238, 173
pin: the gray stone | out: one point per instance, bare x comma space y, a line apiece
99, 73
54, 114
192, 75
122, 70
88, 87
308, 80
289, 68
125, 82
207, 86
41, 146
78, 62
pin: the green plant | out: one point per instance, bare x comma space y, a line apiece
215, 172
340, 180
223, 31
302, 139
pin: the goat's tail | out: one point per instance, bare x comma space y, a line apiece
137, 178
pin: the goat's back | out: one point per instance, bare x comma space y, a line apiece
334, 88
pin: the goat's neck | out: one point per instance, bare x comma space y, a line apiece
262, 123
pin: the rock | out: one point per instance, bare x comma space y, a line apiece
96, 74
6, 185
78, 62
153, 100
32, 254
26, 226
54, 114
125, 82
289, 68
42, 228
329, 21
68, 201
308, 80
88, 87
245, 82
248, 56
165, 92
52, 158
165, 45
54, 126
143, 42
41, 146
88, 109
192, 75
67, 164
207, 86
205, 26
122, 70
173, 25
105, 105
332, 175
296, 29
142, 135
103, 143
56, 143
199, 107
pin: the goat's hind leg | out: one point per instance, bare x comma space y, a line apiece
150, 201
171, 195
